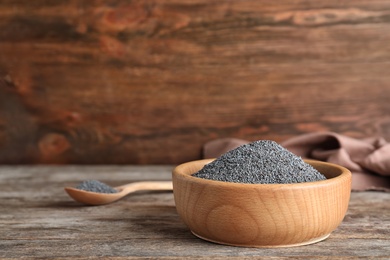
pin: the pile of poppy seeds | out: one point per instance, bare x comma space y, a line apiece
260, 162
96, 186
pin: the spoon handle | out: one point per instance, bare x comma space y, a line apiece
146, 185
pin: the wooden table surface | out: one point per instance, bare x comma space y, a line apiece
38, 219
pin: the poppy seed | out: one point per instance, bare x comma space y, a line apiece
96, 186
260, 162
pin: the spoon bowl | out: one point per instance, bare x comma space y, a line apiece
97, 198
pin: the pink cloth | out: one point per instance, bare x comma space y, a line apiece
367, 159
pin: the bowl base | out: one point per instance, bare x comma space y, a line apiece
308, 242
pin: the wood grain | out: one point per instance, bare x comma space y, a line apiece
145, 82
38, 220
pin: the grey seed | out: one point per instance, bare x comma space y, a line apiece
261, 162
96, 186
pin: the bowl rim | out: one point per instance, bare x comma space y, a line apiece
345, 173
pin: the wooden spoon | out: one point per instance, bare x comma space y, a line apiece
97, 198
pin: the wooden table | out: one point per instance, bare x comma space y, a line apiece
38, 219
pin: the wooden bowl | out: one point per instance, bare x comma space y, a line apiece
262, 215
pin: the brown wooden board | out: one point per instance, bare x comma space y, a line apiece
149, 82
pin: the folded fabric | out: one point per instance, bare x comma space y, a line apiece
367, 159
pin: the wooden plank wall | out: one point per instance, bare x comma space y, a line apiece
149, 82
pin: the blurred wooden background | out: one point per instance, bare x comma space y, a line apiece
149, 82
